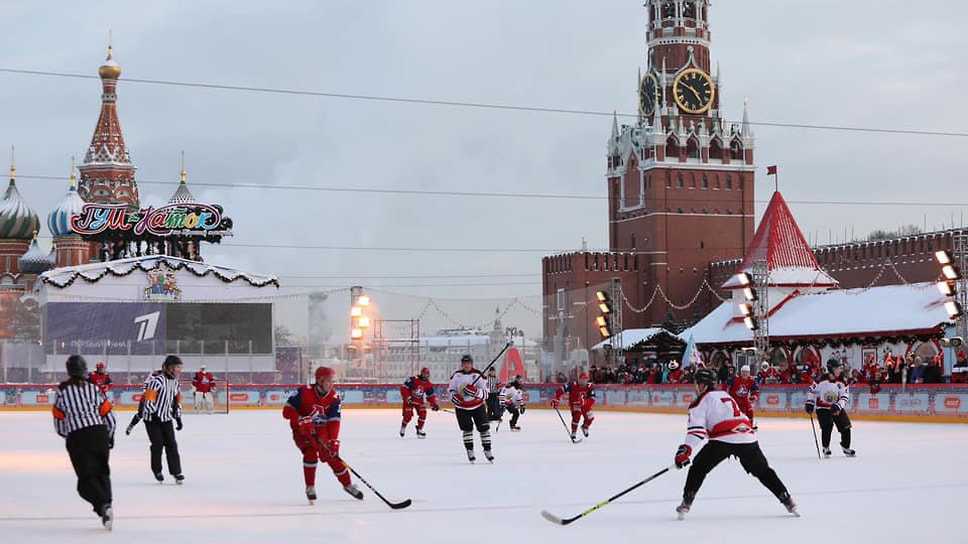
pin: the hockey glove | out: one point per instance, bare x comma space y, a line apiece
178, 424
469, 391
435, 407
521, 409
809, 408
554, 403
457, 400
305, 426
835, 410
333, 446
682, 455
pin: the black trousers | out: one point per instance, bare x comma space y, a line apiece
162, 437
89, 452
493, 406
515, 414
827, 422
467, 420
750, 457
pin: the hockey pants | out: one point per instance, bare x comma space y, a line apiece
204, 401
827, 422
161, 434
468, 419
750, 457
577, 412
515, 414
89, 452
313, 451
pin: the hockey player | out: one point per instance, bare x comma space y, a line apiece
744, 390
204, 385
417, 392
101, 378
716, 416
830, 397
512, 398
468, 394
581, 399
314, 414
768, 374
82, 415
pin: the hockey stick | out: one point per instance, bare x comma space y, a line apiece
394, 505
562, 418
559, 521
480, 374
815, 443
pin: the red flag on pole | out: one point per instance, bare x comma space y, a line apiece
771, 170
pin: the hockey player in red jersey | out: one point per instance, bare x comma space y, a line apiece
744, 390
204, 385
716, 416
581, 399
314, 414
101, 378
417, 392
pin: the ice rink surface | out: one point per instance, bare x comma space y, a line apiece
244, 484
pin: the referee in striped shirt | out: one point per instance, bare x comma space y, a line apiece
161, 406
82, 415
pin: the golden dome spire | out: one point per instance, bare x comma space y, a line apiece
184, 174
73, 176
110, 69
13, 169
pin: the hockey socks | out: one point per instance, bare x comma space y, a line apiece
309, 473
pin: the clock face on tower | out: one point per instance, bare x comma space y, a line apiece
694, 91
650, 94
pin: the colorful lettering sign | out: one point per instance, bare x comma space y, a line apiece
172, 220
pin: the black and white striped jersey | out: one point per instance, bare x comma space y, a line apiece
80, 405
162, 398
493, 385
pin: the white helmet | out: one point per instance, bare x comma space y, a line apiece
744, 368
673, 365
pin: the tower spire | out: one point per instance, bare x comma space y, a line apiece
13, 167
747, 130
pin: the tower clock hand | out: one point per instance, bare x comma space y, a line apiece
694, 91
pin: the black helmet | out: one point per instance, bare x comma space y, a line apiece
832, 365
706, 377
76, 366
467, 358
172, 360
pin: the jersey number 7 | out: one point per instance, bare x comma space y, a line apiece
729, 400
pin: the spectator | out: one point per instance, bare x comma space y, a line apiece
933, 372
655, 375
724, 371
916, 372
959, 372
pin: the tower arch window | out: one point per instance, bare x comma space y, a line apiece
729, 182
633, 242
716, 149
679, 182
689, 9
669, 9
668, 180
736, 150
705, 182
672, 148
692, 148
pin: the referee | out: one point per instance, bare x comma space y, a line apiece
161, 406
82, 415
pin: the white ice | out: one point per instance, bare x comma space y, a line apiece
244, 484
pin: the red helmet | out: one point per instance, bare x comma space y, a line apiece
582, 375
425, 370
100, 365
324, 372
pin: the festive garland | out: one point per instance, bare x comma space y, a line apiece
172, 263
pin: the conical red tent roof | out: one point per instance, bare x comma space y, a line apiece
780, 243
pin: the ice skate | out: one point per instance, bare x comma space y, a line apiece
311, 494
849, 452
421, 433
354, 491
489, 455
683, 508
179, 479
573, 436
515, 428
791, 506
160, 477
826, 452
107, 516
470, 456
584, 431
403, 430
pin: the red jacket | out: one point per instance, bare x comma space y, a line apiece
418, 391
325, 411
744, 390
203, 382
583, 397
101, 380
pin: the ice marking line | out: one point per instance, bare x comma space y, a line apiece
383, 511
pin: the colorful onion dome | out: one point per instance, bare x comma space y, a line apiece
35, 261
17, 220
59, 219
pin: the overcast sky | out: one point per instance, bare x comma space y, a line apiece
863, 63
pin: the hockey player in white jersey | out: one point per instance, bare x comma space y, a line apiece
469, 393
716, 416
830, 397
512, 398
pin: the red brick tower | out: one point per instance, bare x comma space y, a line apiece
107, 174
680, 179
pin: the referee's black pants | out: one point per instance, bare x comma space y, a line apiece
89, 452
750, 457
162, 437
